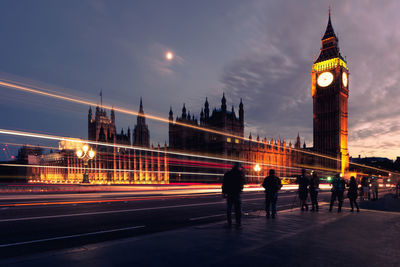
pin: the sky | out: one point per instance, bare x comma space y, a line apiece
260, 51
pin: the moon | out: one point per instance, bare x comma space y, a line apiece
169, 55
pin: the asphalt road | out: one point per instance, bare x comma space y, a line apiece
69, 220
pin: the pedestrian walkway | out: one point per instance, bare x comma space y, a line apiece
294, 238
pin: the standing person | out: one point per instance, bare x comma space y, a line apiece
303, 183
398, 188
365, 188
232, 187
337, 190
272, 185
374, 188
352, 194
314, 188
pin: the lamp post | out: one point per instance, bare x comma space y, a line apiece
257, 169
85, 154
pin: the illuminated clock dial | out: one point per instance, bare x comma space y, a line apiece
344, 79
325, 79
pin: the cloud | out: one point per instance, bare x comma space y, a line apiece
273, 72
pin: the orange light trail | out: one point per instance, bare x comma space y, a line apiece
25, 88
93, 201
60, 138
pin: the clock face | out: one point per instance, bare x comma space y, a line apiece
344, 79
325, 79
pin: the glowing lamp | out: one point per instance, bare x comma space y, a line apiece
79, 153
257, 168
91, 154
85, 148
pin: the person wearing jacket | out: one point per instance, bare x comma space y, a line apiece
303, 183
338, 186
314, 188
232, 187
352, 194
272, 185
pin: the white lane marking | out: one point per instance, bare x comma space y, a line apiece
122, 211
205, 217
224, 214
117, 211
70, 236
107, 212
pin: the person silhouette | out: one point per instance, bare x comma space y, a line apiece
303, 182
272, 185
352, 193
314, 189
338, 186
232, 187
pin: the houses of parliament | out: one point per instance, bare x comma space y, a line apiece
197, 152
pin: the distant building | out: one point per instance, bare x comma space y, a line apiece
18, 170
139, 163
276, 154
187, 138
377, 162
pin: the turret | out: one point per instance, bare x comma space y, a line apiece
241, 112
141, 106
171, 115
112, 115
223, 102
141, 134
298, 143
183, 111
206, 109
90, 114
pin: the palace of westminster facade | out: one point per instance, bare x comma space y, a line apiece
198, 153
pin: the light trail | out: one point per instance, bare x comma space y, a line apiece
104, 169
60, 138
29, 89
161, 150
33, 146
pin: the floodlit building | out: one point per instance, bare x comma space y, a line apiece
116, 160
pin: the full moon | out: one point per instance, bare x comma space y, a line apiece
169, 56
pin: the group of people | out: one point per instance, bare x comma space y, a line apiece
234, 180
365, 190
308, 185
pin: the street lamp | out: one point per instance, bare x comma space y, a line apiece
85, 154
257, 169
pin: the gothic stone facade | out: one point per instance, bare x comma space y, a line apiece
139, 163
270, 154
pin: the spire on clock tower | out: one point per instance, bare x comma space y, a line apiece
329, 43
329, 29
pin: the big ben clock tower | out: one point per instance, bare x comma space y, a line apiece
330, 92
